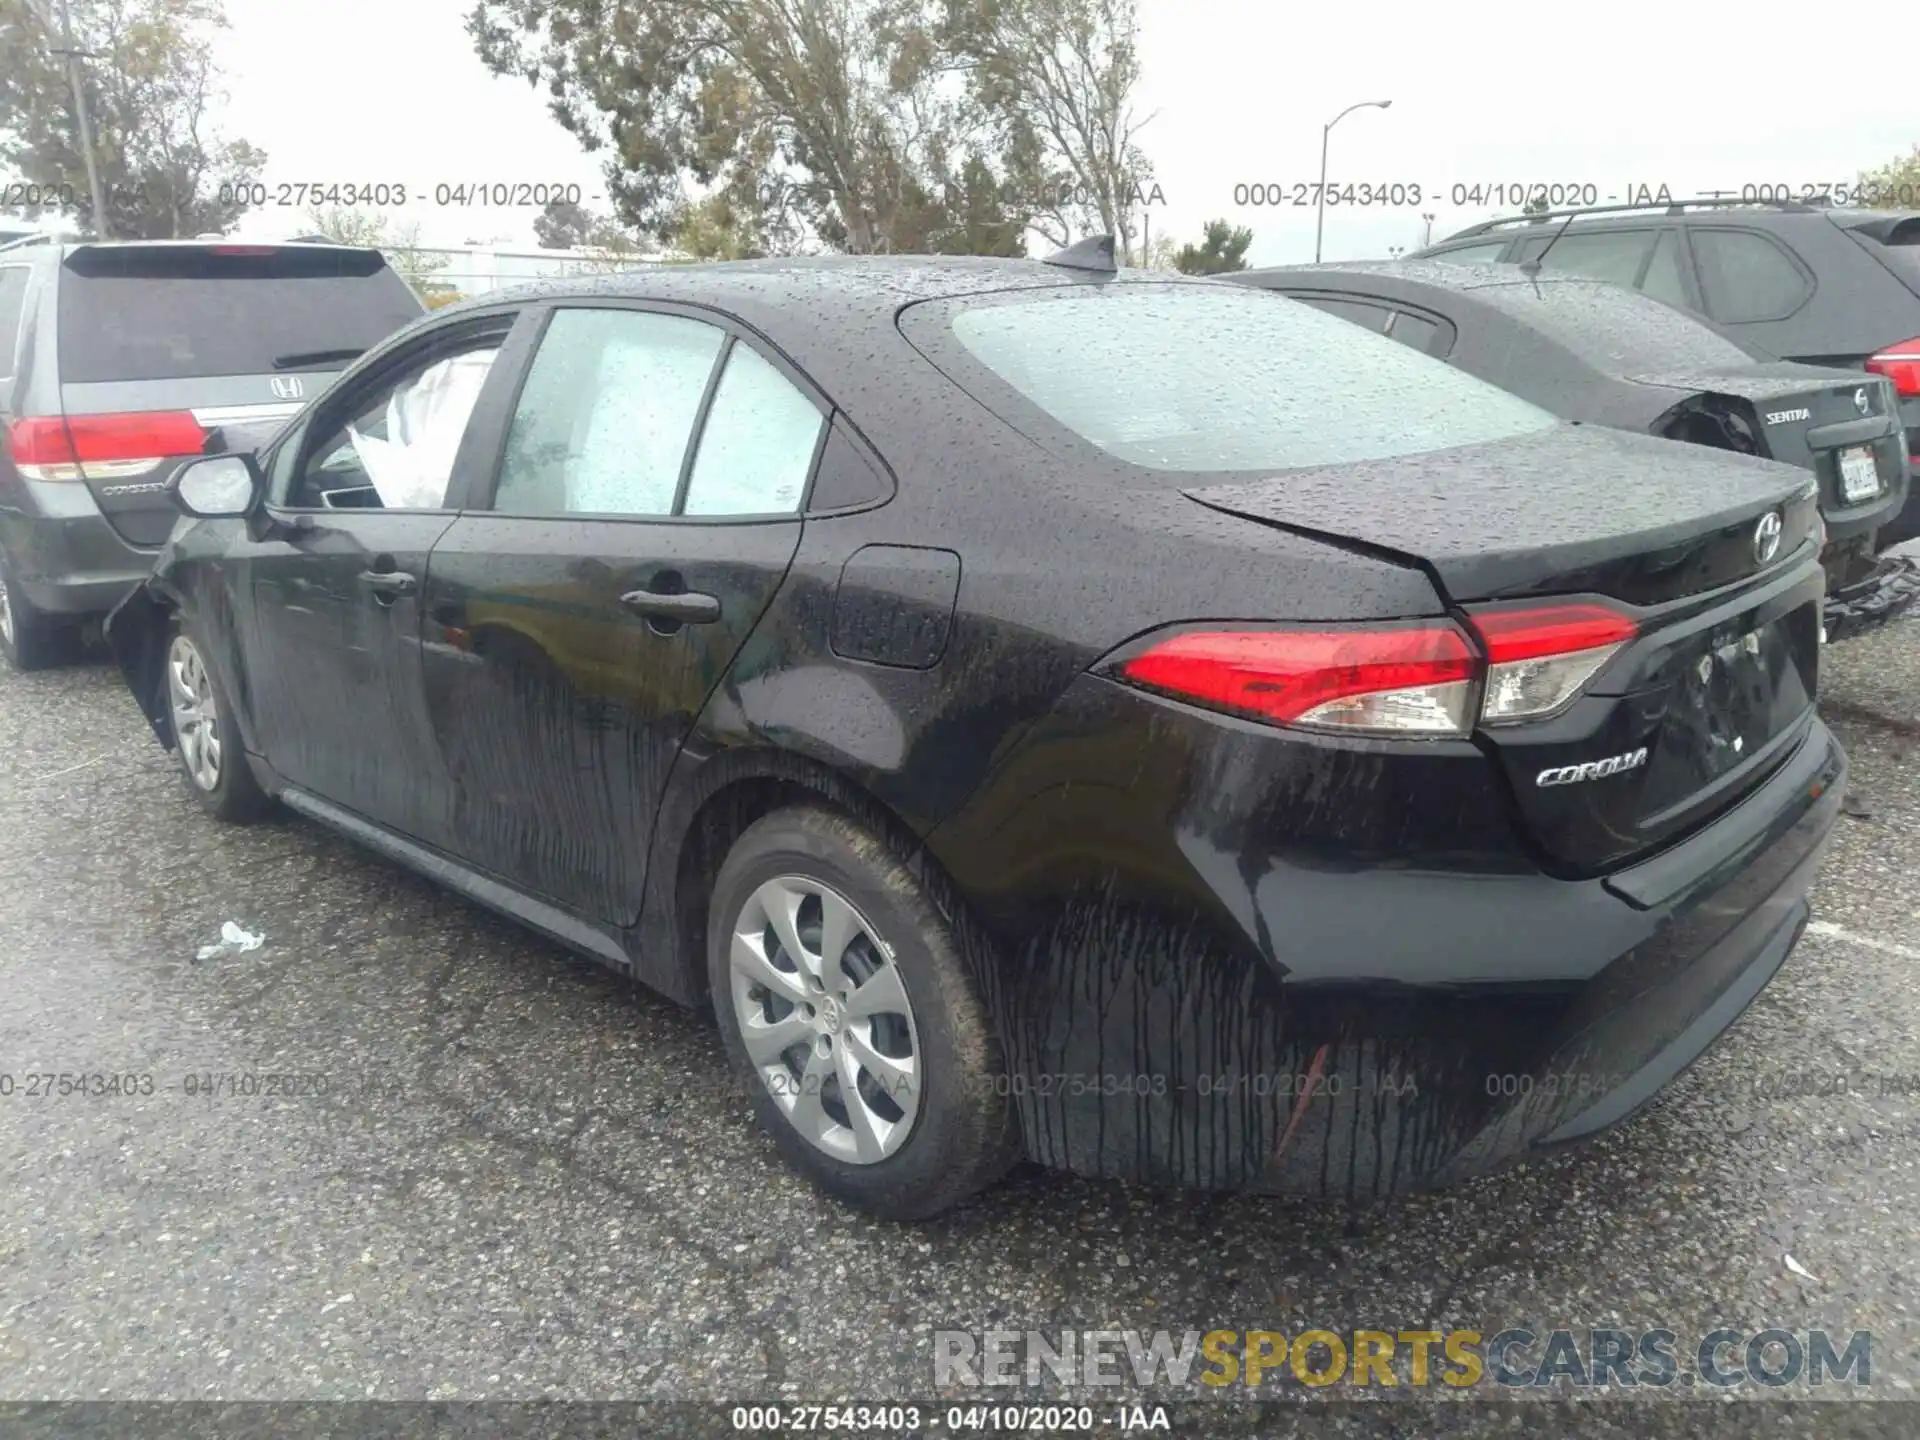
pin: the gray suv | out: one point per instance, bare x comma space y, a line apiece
119, 359
1807, 282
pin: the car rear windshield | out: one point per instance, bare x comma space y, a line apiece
1620, 331
1198, 378
1894, 241
172, 312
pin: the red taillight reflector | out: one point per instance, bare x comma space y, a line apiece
1537, 632
155, 433
1900, 364
1397, 680
245, 249
39, 440
98, 447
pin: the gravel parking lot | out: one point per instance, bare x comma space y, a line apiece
525, 1180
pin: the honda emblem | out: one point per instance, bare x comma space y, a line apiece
286, 387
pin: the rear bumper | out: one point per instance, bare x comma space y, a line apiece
1890, 591
1394, 1027
66, 558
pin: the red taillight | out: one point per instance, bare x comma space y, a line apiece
1900, 364
1409, 680
102, 447
246, 249
1539, 657
1401, 680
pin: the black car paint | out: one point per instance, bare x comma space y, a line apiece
1208, 921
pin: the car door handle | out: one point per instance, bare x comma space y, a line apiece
389, 582
690, 606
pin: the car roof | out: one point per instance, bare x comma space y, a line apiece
843, 283
1439, 274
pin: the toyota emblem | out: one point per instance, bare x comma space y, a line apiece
1862, 401
287, 387
1766, 537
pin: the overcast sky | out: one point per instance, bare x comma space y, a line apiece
1633, 94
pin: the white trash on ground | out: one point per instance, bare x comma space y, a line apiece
233, 941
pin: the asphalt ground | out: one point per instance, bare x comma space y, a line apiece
525, 1180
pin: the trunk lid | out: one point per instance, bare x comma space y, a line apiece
1812, 417
207, 348
1718, 685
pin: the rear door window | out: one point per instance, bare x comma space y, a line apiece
757, 446
1210, 378
1360, 312
1664, 279
1746, 276
170, 312
1472, 254
607, 414
1615, 255
1415, 330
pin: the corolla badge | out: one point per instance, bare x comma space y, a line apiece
1766, 537
287, 387
1593, 769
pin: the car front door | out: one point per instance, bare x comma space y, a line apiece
359, 493
645, 510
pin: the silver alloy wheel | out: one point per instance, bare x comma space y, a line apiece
824, 1016
196, 717
6, 610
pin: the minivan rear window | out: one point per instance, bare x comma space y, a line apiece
1199, 378
174, 312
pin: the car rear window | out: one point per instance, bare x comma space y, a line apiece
1199, 378
1894, 241
168, 313
1620, 331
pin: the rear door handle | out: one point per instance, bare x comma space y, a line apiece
389, 583
691, 606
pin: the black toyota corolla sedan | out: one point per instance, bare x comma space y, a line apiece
1138, 723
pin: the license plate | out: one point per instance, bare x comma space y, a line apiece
1859, 476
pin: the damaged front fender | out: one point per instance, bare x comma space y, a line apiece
136, 631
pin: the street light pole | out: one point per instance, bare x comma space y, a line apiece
1320, 215
76, 81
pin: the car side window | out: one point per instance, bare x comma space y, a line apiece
1614, 255
1411, 329
396, 448
13, 302
1360, 312
758, 442
1664, 280
1472, 254
1745, 276
607, 414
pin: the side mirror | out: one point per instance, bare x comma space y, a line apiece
216, 487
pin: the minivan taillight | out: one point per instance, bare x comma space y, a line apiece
102, 447
1414, 680
1900, 364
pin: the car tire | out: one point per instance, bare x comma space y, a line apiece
32, 638
926, 1136
213, 763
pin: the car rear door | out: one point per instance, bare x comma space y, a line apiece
181, 349
644, 512
358, 493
